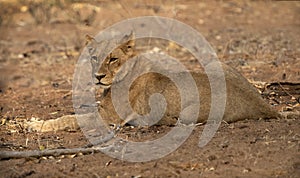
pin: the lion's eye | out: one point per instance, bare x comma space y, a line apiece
113, 59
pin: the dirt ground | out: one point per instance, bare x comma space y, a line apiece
40, 43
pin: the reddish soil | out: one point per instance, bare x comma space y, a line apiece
40, 44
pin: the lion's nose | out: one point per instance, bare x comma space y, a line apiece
99, 76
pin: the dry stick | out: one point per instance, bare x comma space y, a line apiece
287, 91
57, 152
38, 153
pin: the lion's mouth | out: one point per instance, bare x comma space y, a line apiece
99, 81
103, 85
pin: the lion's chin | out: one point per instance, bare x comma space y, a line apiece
103, 85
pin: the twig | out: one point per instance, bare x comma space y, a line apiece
287, 92
38, 153
57, 152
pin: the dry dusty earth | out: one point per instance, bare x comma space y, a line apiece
40, 44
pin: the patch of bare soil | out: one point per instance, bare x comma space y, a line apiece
41, 41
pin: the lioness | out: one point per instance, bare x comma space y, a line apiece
243, 101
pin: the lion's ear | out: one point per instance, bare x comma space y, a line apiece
89, 40
91, 44
129, 39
